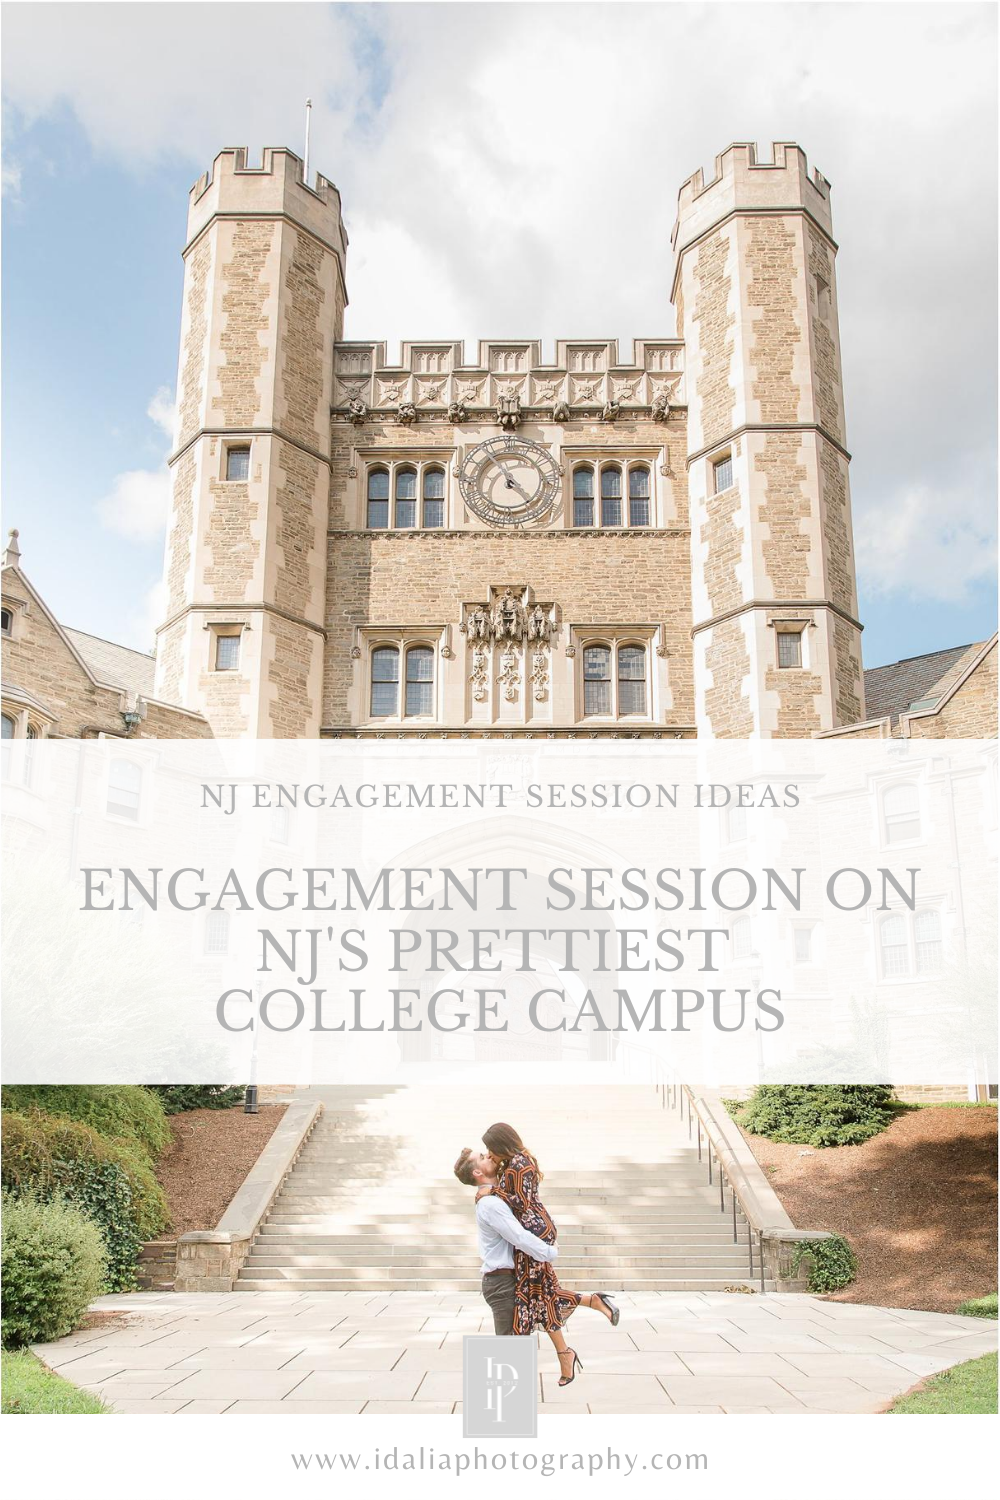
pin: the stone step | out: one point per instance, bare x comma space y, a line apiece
594, 1207
582, 1241
622, 1221
657, 1175
567, 1267
295, 1283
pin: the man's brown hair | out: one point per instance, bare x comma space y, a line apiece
463, 1167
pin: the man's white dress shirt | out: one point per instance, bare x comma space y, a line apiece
500, 1234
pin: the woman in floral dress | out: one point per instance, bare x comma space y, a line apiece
539, 1300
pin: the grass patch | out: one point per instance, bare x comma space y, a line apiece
979, 1307
903, 1105
967, 1390
30, 1389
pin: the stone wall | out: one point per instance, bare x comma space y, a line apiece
157, 1266
970, 712
39, 660
418, 577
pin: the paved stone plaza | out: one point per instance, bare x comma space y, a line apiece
400, 1352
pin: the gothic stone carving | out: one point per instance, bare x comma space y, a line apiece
512, 622
660, 409
357, 411
458, 412
509, 677
540, 675
611, 411
480, 678
407, 413
560, 412
508, 412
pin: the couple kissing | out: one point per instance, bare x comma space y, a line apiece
517, 1242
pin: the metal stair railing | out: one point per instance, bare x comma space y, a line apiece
703, 1126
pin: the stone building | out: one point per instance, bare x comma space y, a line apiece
628, 543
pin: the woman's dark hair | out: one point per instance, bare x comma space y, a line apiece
504, 1142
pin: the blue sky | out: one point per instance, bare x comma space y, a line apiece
465, 180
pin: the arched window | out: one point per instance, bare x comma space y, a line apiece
741, 937
611, 495
30, 734
894, 947
638, 496
927, 941
419, 681
631, 680
124, 789
378, 499
385, 680
583, 496
217, 932
8, 727
406, 498
597, 680
434, 497
901, 813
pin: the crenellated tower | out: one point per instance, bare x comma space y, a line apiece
777, 643
264, 297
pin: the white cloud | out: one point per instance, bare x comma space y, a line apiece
926, 543
10, 180
138, 504
162, 409
145, 621
513, 169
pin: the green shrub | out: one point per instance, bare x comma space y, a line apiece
832, 1263
54, 1264
178, 1097
828, 1114
979, 1307
123, 1111
110, 1181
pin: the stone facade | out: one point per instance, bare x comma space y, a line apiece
55, 682
686, 567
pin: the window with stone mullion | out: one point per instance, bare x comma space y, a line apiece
406, 498
631, 680
597, 680
638, 496
434, 497
419, 681
385, 681
378, 500
611, 495
583, 496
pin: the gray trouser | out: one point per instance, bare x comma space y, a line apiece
498, 1289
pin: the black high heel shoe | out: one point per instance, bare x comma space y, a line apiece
615, 1313
576, 1365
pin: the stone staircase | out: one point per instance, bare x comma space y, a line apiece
372, 1203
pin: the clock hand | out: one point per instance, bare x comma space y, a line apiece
512, 484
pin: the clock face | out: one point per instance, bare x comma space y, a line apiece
508, 481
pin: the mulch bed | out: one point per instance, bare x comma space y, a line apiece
917, 1203
211, 1154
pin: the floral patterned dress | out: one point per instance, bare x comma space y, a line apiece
539, 1300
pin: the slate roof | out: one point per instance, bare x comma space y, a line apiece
118, 665
901, 685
